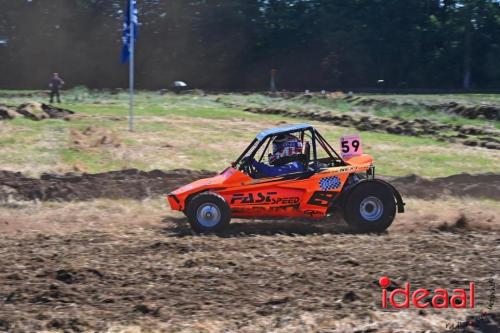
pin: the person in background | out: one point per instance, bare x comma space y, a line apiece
55, 85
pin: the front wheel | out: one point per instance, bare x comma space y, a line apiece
370, 207
208, 212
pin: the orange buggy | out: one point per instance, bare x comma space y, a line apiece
328, 184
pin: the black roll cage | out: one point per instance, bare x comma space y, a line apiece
315, 136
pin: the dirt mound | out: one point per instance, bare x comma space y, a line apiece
6, 112
483, 111
132, 183
56, 112
465, 134
34, 111
136, 184
482, 185
93, 137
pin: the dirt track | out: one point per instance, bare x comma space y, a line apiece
136, 184
238, 283
258, 276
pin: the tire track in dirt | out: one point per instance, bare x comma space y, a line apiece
241, 283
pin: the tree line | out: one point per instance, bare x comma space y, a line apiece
233, 44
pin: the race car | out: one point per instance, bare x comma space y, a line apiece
304, 177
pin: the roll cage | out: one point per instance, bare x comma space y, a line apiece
304, 132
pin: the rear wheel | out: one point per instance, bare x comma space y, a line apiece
208, 212
370, 207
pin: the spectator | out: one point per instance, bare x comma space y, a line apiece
55, 85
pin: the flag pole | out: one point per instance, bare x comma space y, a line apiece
131, 66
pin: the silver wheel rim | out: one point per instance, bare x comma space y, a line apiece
371, 209
208, 215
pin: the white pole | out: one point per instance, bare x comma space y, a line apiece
131, 67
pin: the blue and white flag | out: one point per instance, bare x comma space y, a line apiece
130, 22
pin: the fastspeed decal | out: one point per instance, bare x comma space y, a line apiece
267, 198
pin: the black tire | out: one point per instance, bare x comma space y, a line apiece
208, 212
370, 207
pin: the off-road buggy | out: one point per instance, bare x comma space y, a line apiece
329, 184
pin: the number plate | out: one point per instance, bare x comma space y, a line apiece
350, 145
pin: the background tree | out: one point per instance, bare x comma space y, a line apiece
232, 44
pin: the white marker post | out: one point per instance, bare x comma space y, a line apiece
131, 66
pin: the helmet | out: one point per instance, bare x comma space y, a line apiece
284, 146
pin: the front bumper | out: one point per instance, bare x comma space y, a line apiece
174, 202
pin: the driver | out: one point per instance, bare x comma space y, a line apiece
282, 162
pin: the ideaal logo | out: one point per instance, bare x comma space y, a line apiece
423, 298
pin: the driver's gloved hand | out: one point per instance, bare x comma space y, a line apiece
246, 160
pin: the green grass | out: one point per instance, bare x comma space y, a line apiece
408, 112
414, 112
7, 92
463, 98
401, 155
161, 106
207, 132
93, 161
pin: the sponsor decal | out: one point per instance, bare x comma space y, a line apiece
321, 198
267, 209
347, 168
312, 212
329, 183
263, 199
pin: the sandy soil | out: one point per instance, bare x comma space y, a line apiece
164, 279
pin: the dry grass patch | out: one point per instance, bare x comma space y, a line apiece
64, 218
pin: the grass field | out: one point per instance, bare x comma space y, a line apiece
197, 131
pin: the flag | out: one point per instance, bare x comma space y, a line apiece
130, 22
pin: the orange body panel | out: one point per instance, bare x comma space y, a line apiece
277, 196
